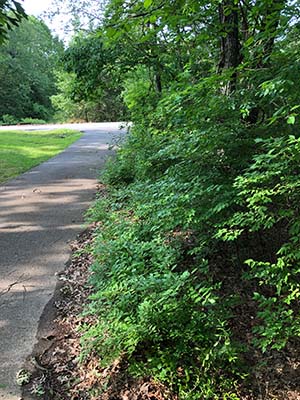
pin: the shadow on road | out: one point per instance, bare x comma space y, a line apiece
40, 213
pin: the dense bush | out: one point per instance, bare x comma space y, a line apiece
33, 121
268, 201
11, 120
198, 248
8, 119
161, 288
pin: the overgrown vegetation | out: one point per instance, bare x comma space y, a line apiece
196, 278
197, 259
21, 150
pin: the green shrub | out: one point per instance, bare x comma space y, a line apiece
268, 197
146, 303
8, 119
32, 121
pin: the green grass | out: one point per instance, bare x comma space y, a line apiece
20, 151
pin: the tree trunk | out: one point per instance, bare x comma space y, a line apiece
158, 83
230, 46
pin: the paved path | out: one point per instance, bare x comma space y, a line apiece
40, 212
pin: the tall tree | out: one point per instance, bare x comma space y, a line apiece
27, 61
92, 90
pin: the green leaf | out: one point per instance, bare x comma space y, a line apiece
291, 119
295, 107
249, 41
147, 3
153, 19
111, 32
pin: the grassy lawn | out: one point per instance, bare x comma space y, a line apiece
20, 151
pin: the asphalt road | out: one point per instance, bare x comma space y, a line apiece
40, 212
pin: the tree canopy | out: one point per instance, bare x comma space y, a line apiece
11, 13
28, 60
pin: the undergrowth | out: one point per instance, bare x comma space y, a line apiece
197, 257
159, 281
